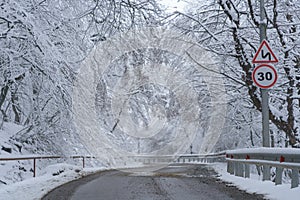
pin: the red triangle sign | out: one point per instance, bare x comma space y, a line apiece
264, 54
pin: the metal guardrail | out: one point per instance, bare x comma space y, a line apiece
41, 157
183, 158
145, 159
202, 158
239, 161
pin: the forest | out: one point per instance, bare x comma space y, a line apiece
43, 44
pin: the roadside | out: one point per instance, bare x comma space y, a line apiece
173, 182
256, 185
36, 188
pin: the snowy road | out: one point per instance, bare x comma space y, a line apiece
186, 182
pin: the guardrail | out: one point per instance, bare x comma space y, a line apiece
202, 158
145, 159
34, 158
183, 158
239, 161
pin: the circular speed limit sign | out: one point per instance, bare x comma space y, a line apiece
264, 76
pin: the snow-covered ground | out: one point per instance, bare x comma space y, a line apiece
254, 184
35, 188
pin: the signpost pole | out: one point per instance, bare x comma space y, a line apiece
264, 92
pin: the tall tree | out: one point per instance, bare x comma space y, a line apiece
231, 30
41, 45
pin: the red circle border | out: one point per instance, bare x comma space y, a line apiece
268, 86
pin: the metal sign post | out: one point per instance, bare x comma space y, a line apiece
264, 92
264, 76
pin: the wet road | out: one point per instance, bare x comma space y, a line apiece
176, 182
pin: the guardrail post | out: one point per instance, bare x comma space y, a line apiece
266, 172
235, 168
34, 167
278, 178
295, 178
247, 170
83, 162
230, 167
240, 171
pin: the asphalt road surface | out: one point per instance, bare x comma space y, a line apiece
176, 182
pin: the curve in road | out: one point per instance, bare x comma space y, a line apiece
176, 182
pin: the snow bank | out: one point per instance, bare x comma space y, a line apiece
255, 185
53, 176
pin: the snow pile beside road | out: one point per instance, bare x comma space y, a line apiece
53, 176
256, 185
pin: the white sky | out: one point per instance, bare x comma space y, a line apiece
174, 5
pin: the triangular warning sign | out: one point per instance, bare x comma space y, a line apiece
264, 54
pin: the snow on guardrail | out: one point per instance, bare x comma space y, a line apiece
40, 157
182, 158
238, 162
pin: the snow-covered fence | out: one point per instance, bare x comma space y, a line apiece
34, 158
202, 158
239, 161
184, 158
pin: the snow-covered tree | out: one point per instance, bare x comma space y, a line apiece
41, 45
231, 30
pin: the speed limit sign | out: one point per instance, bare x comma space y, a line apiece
264, 76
